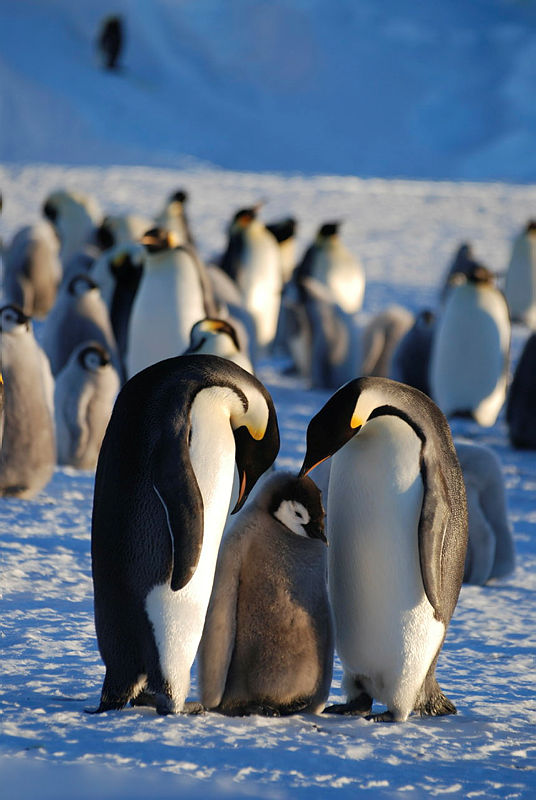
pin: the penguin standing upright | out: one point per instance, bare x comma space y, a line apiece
28, 452
173, 217
330, 262
521, 403
520, 281
252, 259
174, 293
75, 217
284, 231
397, 532
162, 492
84, 396
470, 351
79, 315
33, 271
267, 645
410, 362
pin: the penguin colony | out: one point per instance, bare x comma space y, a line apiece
144, 369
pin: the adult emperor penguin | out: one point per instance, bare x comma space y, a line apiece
520, 281
173, 217
252, 259
84, 396
32, 269
329, 261
267, 645
218, 337
79, 315
521, 403
28, 452
162, 493
75, 217
410, 362
397, 532
173, 294
490, 548
470, 351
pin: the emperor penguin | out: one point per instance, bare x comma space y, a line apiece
174, 217
84, 396
397, 532
79, 315
218, 337
267, 645
461, 264
380, 336
32, 269
520, 281
173, 294
75, 217
110, 41
162, 491
521, 402
470, 351
329, 261
284, 231
490, 548
252, 259
410, 362
28, 452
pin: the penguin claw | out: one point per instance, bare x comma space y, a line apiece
384, 716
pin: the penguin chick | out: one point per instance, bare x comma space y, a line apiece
397, 532
28, 453
470, 351
252, 259
218, 337
173, 217
521, 404
79, 315
520, 281
330, 262
74, 216
410, 362
84, 396
162, 491
32, 269
267, 645
490, 548
380, 336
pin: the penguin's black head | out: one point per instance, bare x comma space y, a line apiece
158, 240
93, 357
179, 196
328, 229
104, 235
479, 274
50, 211
207, 326
80, 284
243, 217
531, 226
297, 504
11, 316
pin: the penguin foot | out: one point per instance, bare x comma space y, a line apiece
192, 707
144, 699
438, 705
384, 716
358, 707
248, 709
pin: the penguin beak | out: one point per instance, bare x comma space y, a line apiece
254, 456
316, 530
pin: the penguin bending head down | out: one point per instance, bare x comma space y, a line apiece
267, 646
162, 492
397, 529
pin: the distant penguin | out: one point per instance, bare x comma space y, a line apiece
32, 269
381, 334
120, 230
470, 352
162, 493
267, 645
28, 452
219, 338
490, 549
520, 281
75, 216
173, 294
110, 41
330, 262
173, 217
252, 259
84, 396
461, 264
410, 362
79, 315
284, 231
521, 402
397, 532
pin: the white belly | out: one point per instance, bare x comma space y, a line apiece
178, 617
385, 628
260, 284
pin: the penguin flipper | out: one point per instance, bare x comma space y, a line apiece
176, 487
433, 528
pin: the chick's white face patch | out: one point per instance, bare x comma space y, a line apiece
294, 516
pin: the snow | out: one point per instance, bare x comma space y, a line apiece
456, 83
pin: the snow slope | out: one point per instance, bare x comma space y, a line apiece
422, 90
405, 234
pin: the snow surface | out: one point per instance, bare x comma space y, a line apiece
405, 234
301, 87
